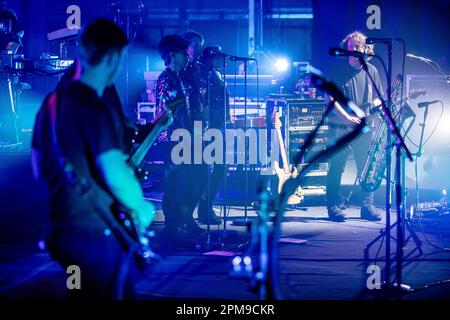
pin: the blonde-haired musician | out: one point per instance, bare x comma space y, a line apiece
357, 87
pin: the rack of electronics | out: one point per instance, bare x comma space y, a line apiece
299, 116
252, 118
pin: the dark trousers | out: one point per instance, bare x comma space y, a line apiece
106, 267
359, 148
213, 180
183, 188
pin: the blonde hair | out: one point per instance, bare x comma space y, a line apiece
360, 39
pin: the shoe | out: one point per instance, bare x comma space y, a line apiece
181, 236
370, 213
336, 214
213, 218
193, 229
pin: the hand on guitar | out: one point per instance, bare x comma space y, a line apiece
146, 214
353, 119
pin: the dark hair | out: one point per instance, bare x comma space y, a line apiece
171, 43
100, 38
191, 34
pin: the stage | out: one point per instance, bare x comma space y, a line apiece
319, 260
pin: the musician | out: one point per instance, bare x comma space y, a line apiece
81, 156
216, 99
182, 190
11, 32
194, 78
358, 88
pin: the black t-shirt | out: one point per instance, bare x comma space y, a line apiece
356, 85
86, 127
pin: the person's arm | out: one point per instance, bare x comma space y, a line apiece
123, 184
103, 142
341, 113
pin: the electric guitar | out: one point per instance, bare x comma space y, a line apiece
285, 173
130, 223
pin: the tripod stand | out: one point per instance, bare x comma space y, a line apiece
396, 288
406, 221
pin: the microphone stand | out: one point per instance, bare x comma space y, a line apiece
396, 288
245, 221
225, 166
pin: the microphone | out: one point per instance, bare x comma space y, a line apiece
234, 58
410, 55
426, 104
381, 40
229, 56
338, 52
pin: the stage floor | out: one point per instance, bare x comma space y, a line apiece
328, 265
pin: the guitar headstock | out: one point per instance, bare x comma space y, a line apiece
277, 122
414, 94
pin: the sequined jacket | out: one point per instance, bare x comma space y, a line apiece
167, 84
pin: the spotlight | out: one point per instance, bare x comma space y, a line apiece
444, 192
281, 65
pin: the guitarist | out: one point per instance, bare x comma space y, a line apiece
77, 149
357, 87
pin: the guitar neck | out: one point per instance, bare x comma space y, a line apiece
283, 151
139, 154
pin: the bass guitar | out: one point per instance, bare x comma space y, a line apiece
285, 173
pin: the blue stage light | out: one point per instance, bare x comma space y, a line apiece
281, 65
